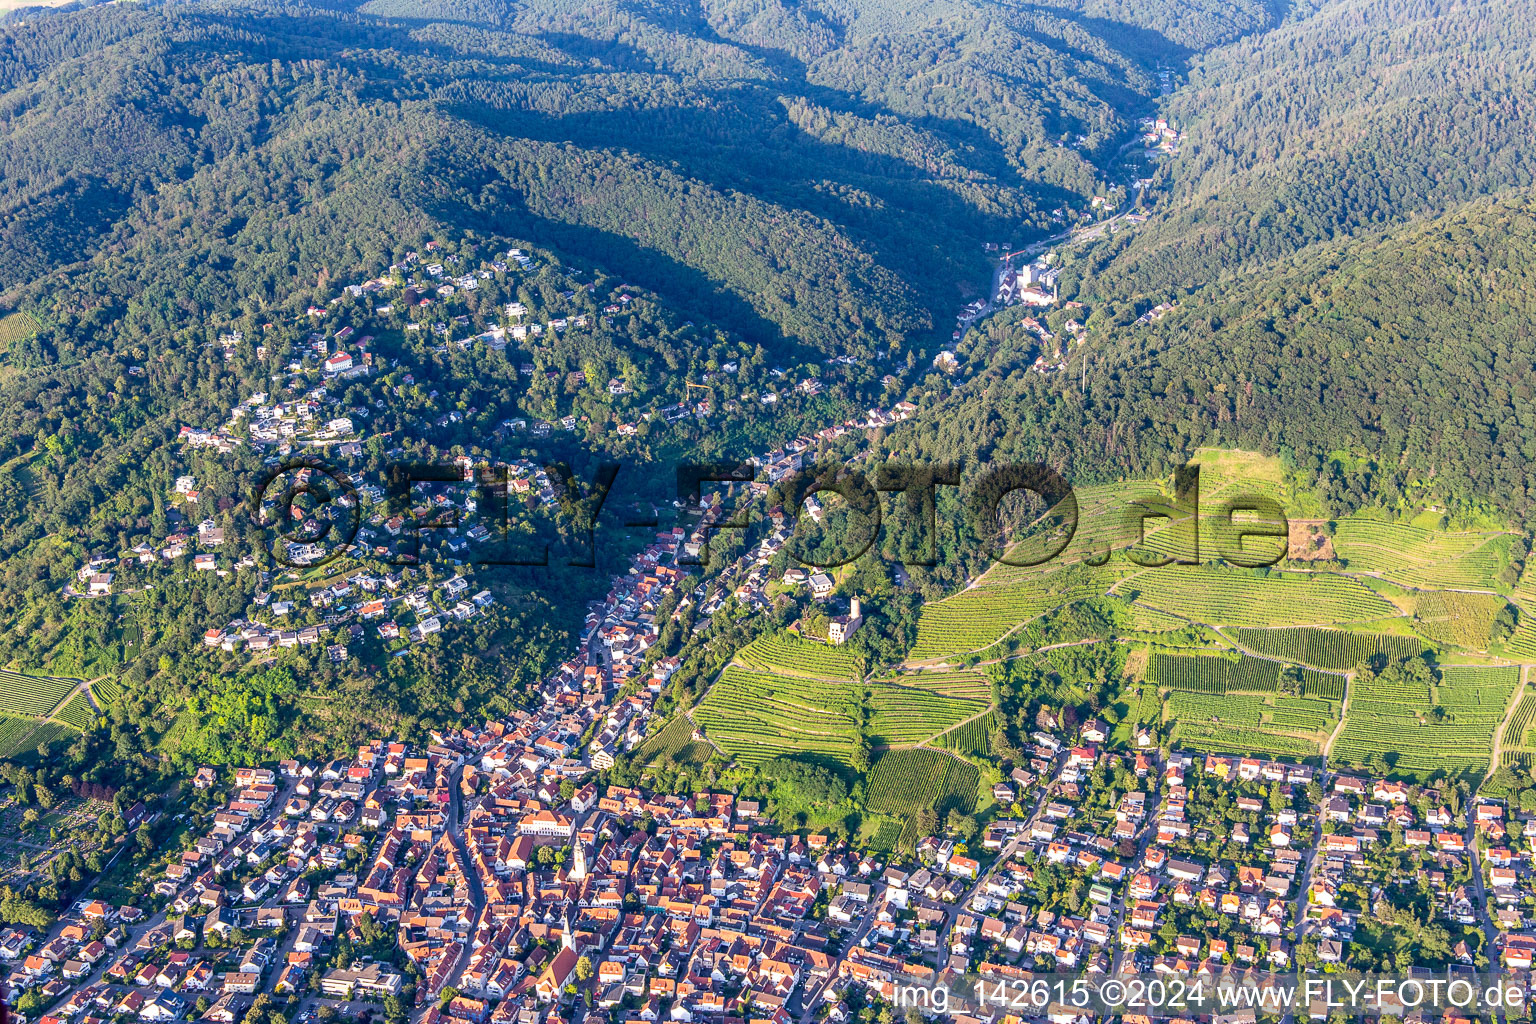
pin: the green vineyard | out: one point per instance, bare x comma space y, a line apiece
1464, 620
31, 695
1285, 714
1332, 649
973, 739
1003, 598
785, 652
1403, 728
1423, 558
975, 619
675, 742
14, 733
951, 684
755, 715
1247, 598
77, 711
906, 781
1518, 735
1218, 739
107, 691
1255, 722
1218, 673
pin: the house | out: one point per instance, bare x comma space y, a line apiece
962, 867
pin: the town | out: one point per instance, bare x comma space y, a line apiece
493, 877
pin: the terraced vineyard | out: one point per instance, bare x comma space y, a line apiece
951, 684
675, 740
1320, 684
1226, 709
1287, 714
1476, 692
1335, 649
1424, 558
1523, 644
1003, 598
1464, 620
785, 652
972, 739
756, 715
77, 712
47, 732
904, 716
1252, 723
107, 691
906, 781
14, 733
1150, 620
1216, 739
978, 618
1236, 597
1218, 673
1396, 725
31, 695
1518, 736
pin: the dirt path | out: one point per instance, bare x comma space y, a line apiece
927, 740
1343, 717
79, 684
1509, 714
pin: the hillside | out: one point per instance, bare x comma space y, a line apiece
1393, 366
808, 175
1349, 116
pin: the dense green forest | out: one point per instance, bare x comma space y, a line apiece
802, 191
1352, 115
1391, 366
808, 176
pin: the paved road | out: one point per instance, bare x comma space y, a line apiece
471, 876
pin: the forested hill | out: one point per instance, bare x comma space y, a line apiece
1354, 114
819, 174
1393, 367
